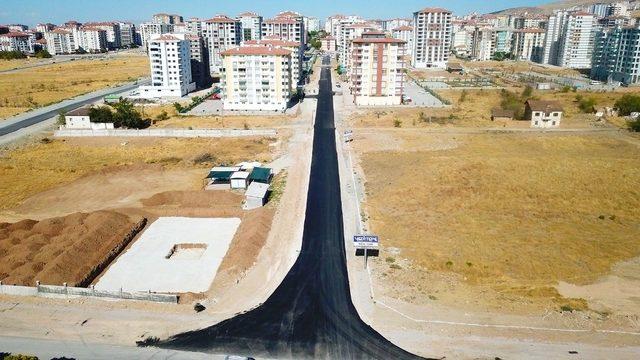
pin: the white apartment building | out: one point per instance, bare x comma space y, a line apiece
461, 38
90, 39
112, 29
618, 9
528, 44
17, 41
576, 45
405, 33
616, 57
221, 33
530, 22
17, 27
194, 26
170, 60
256, 78
377, 70
311, 24
163, 18
347, 34
481, 39
149, 29
391, 24
251, 26
432, 38
296, 54
60, 41
286, 27
43, 28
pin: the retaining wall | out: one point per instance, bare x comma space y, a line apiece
57, 291
186, 133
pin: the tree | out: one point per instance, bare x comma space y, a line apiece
178, 107
127, 116
11, 55
527, 92
628, 104
101, 114
42, 54
61, 118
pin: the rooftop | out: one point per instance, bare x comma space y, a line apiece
542, 105
83, 111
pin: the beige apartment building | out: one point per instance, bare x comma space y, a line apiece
256, 78
377, 70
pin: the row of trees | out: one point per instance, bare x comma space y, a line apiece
13, 55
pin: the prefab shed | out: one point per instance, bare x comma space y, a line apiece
260, 174
256, 195
240, 180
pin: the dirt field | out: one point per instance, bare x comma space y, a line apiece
59, 250
39, 167
497, 221
227, 122
41, 86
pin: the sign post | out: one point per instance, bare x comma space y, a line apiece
366, 242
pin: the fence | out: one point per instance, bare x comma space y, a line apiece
186, 133
56, 291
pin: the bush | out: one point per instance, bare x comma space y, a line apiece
463, 96
627, 104
634, 125
61, 118
397, 123
586, 105
11, 55
565, 89
42, 54
162, 116
527, 92
127, 116
178, 107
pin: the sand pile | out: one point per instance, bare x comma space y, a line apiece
61, 249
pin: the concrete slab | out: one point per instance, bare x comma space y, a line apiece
175, 254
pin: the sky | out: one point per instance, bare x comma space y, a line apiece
31, 12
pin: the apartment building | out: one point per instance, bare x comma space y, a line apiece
329, 44
113, 33
148, 29
91, 39
286, 26
432, 33
528, 44
251, 26
296, 54
347, 34
530, 22
616, 57
389, 25
576, 42
43, 28
599, 10
163, 18
221, 33
60, 41
199, 57
194, 26
615, 21
311, 24
170, 61
17, 41
405, 33
17, 27
127, 34
256, 78
377, 70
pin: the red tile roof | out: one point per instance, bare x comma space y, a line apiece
273, 42
378, 41
281, 20
15, 34
220, 19
166, 37
256, 50
434, 10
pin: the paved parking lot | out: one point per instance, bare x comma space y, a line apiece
420, 97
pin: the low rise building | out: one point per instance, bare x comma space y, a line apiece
543, 114
170, 61
80, 119
377, 70
256, 78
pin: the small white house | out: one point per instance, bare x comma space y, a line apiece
240, 180
543, 114
256, 195
80, 119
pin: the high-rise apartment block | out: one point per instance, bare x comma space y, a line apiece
170, 61
432, 34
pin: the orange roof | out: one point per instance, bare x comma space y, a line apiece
281, 20
220, 18
434, 10
256, 50
166, 37
15, 34
378, 41
272, 42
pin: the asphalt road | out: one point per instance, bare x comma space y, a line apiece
310, 315
31, 118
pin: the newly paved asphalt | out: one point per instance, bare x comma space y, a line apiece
310, 315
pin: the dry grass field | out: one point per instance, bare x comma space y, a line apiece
38, 167
219, 122
509, 215
41, 86
18, 63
